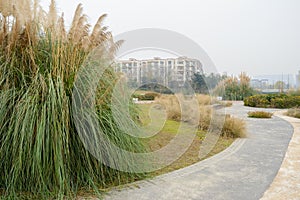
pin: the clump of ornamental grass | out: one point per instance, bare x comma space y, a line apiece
172, 106
230, 127
293, 112
205, 118
41, 154
178, 107
204, 99
260, 114
225, 103
233, 127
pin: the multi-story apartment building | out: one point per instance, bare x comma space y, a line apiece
164, 71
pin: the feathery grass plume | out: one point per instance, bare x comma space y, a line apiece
41, 154
74, 25
52, 15
6, 7
61, 30
98, 29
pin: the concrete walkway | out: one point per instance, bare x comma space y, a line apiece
286, 184
243, 171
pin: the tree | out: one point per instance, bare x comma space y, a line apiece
233, 88
212, 80
199, 83
280, 85
245, 89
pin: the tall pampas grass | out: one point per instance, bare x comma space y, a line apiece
41, 154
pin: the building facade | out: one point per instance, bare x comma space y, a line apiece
259, 83
164, 71
298, 80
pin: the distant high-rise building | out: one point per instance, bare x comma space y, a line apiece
298, 80
259, 83
163, 71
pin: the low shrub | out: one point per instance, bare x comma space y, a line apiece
156, 87
272, 101
260, 114
146, 97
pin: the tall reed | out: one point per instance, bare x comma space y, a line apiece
41, 154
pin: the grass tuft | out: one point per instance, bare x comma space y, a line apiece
260, 114
234, 127
225, 103
293, 112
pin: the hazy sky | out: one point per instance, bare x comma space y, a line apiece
255, 36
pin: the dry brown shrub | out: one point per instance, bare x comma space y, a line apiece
233, 127
204, 99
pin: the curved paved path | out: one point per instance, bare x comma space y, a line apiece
243, 171
286, 184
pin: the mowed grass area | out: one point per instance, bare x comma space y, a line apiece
168, 132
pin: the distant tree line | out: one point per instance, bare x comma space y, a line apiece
228, 87
235, 88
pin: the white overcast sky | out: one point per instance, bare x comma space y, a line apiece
254, 36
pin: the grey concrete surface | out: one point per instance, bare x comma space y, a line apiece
286, 184
243, 171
